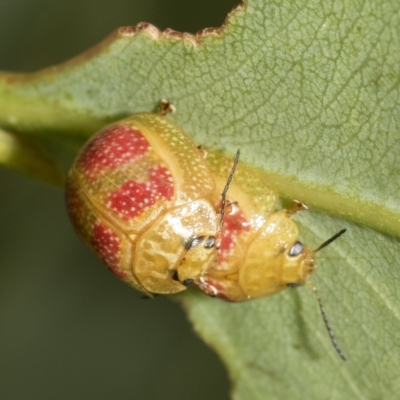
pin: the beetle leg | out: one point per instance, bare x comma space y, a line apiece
297, 207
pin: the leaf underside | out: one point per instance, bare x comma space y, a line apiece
309, 91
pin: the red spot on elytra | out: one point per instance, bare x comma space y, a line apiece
162, 182
235, 223
115, 145
133, 197
107, 244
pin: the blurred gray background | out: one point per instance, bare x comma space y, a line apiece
68, 328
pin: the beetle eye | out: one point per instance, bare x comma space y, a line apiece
296, 249
193, 242
209, 243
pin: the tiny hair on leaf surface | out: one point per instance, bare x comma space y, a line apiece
309, 92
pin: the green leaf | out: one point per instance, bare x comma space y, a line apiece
309, 91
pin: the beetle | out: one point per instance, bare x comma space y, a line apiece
164, 214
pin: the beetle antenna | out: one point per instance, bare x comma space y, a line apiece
330, 240
326, 321
225, 191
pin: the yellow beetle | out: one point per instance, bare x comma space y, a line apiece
163, 214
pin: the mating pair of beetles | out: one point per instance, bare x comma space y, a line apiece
164, 214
